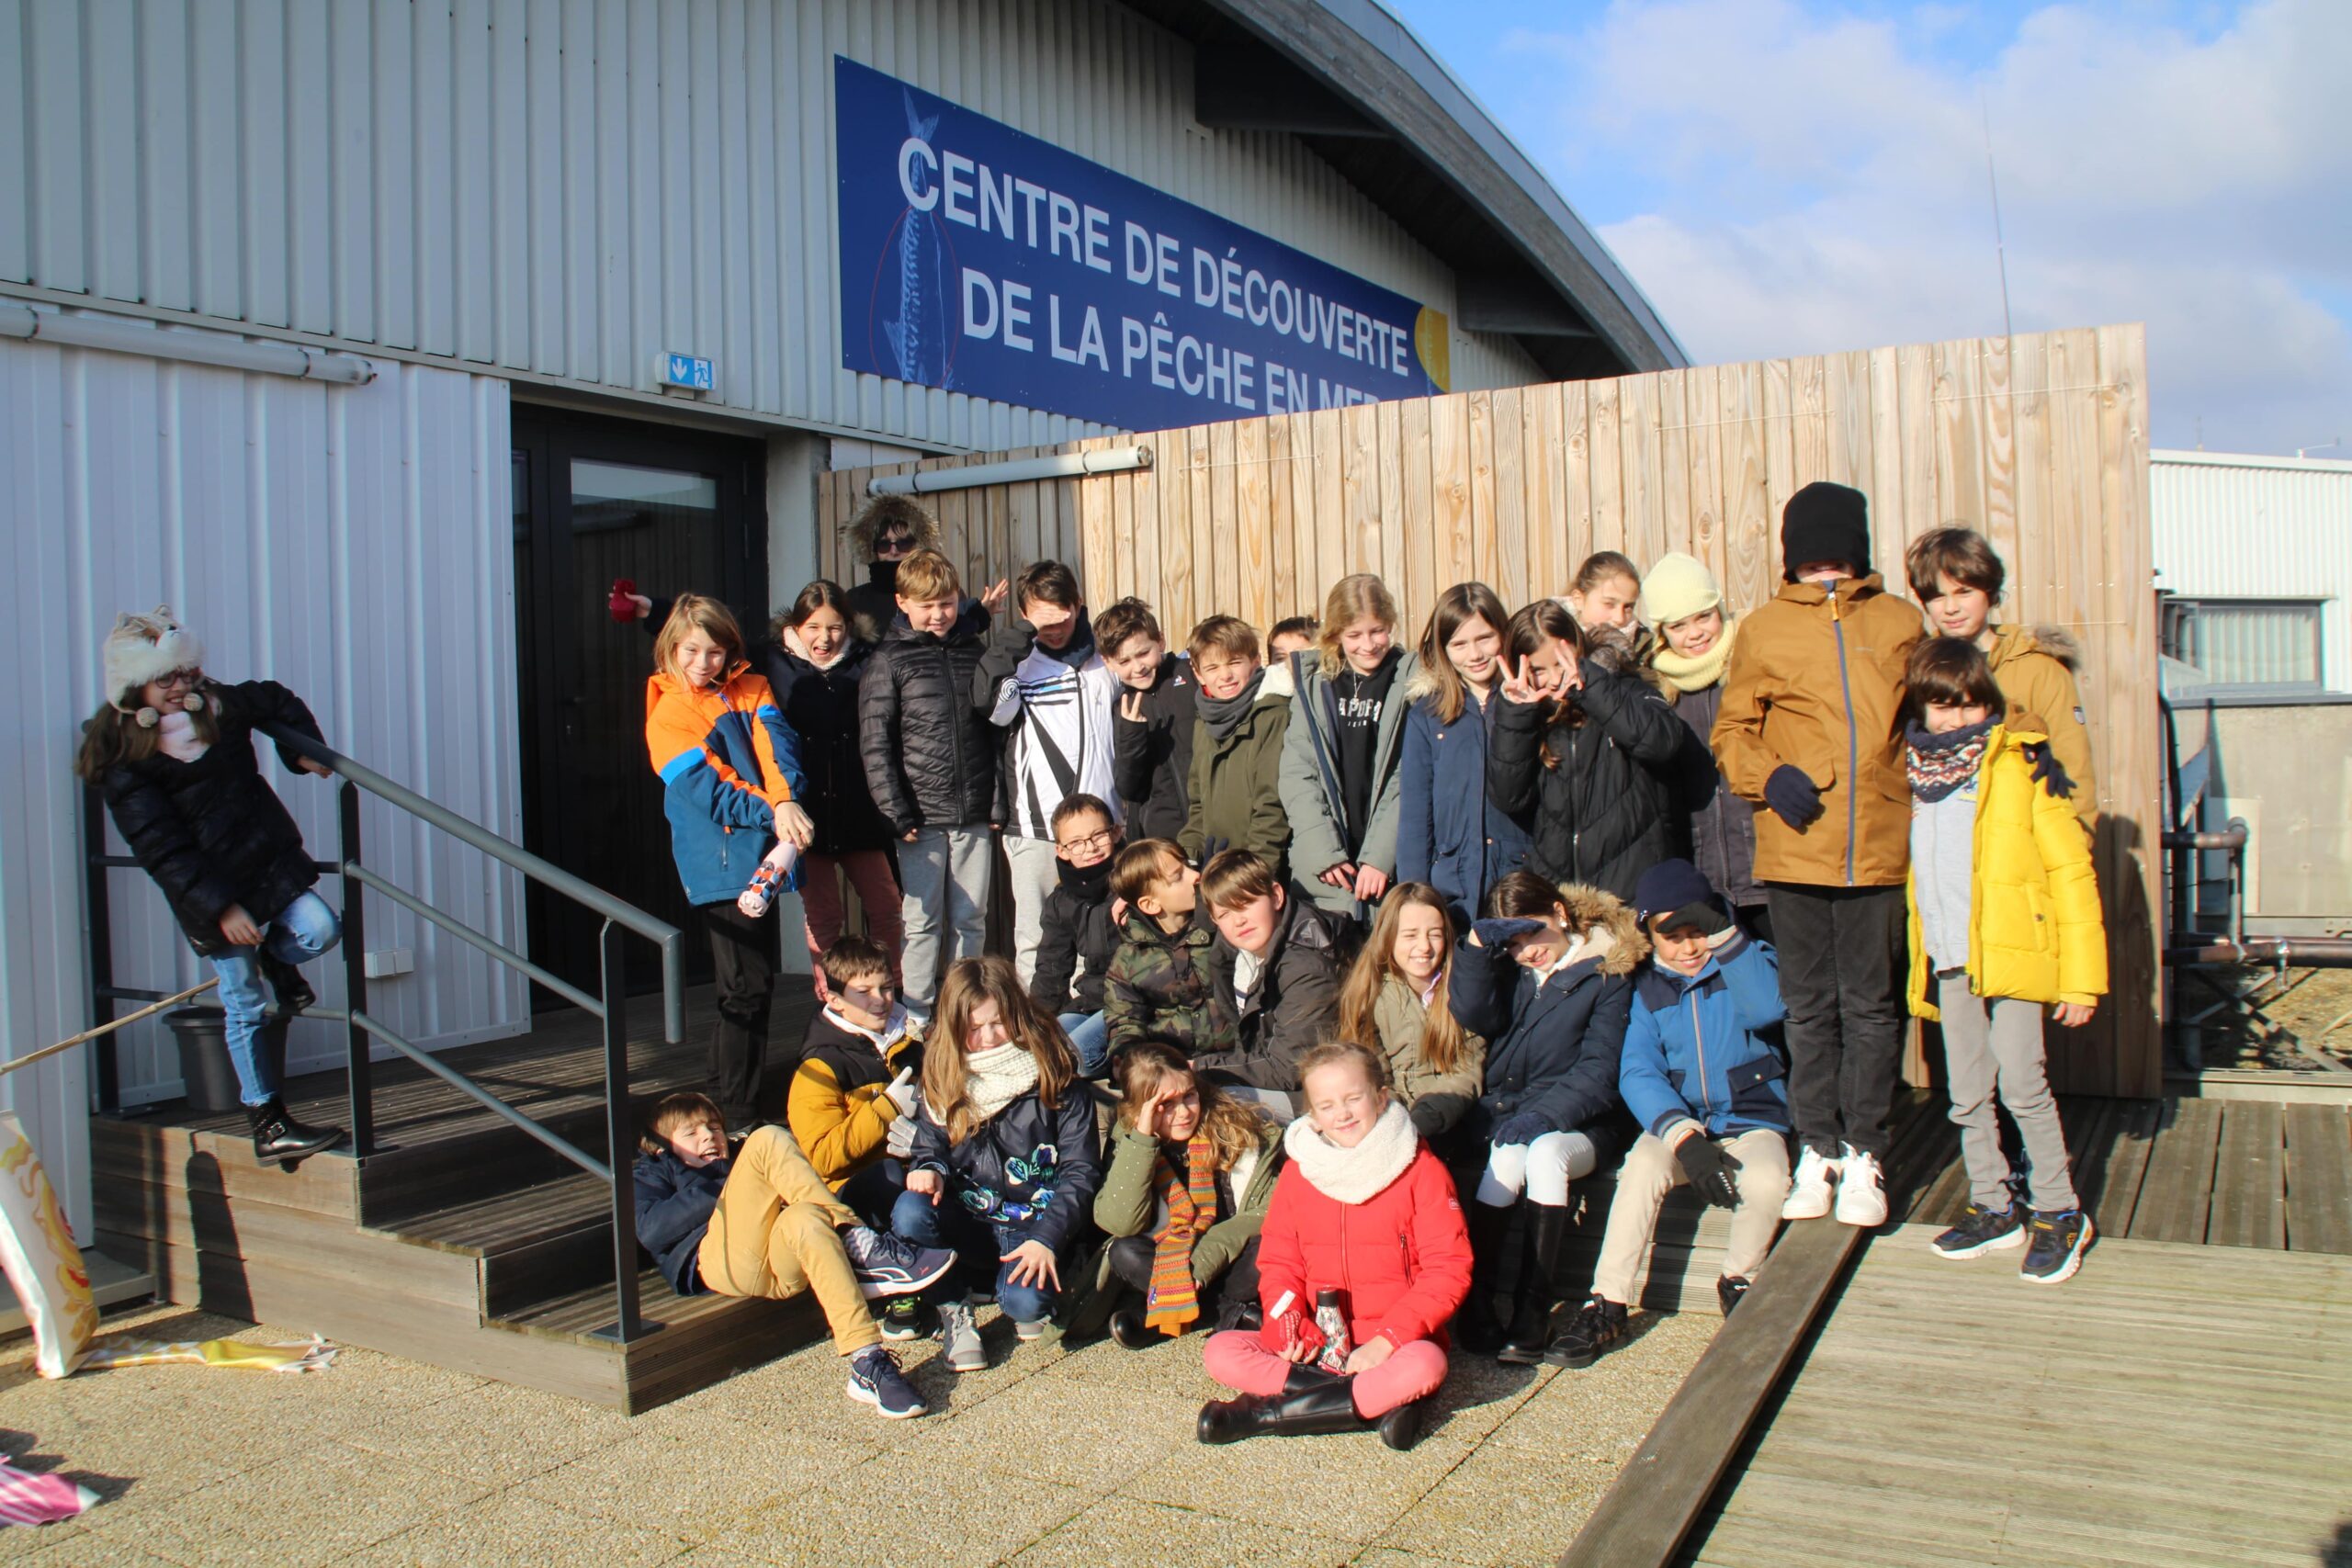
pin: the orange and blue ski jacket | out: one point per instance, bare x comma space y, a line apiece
727, 761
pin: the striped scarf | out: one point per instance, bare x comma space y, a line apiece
1172, 1303
1939, 765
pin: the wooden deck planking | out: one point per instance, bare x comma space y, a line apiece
2058, 1436
2250, 1177
2175, 1196
2319, 1177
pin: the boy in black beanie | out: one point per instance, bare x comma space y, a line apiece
1807, 729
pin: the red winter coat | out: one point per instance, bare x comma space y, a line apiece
1400, 1259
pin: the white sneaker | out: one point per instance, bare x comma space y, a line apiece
1861, 1196
1808, 1196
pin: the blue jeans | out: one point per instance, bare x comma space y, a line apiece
302, 931
979, 1248
1090, 1036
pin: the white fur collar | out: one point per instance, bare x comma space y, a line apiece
1594, 944
1360, 1173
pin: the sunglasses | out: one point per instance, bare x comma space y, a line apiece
894, 544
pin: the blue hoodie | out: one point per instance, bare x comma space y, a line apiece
1705, 1047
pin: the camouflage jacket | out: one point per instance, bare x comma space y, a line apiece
1158, 983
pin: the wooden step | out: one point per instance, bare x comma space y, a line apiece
700, 1340
534, 1245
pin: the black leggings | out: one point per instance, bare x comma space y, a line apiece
1236, 1288
743, 955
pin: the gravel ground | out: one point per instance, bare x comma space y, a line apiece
1049, 1456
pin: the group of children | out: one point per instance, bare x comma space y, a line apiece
1380, 949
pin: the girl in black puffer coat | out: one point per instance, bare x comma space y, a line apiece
814, 667
171, 753
1587, 745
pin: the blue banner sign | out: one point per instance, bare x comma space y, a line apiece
980, 259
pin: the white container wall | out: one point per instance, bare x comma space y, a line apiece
566, 189
353, 542
2253, 527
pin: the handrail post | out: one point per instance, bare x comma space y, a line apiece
101, 918
621, 1137
359, 1073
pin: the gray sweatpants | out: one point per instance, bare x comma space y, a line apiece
1034, 870
944, 876
1992, 1046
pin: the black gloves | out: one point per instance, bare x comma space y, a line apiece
2049, 773
1708, 1168
1792, 797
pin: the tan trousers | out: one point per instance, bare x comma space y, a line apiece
776, 1233
1651, 1171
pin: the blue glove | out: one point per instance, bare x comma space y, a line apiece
1497, 932
1524, 1127
2050, 773
1792, 797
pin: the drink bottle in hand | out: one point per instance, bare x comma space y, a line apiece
1334, 1324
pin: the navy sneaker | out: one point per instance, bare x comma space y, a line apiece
2054, 1250
1597, 1326
875, 1379
889, 1266
902, 1319
1730, 1290
1983, 1230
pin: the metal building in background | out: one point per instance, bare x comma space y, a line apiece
2254, 556
379, 338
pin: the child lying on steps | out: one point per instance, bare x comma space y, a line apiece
763, 1224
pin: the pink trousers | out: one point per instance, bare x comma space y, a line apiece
820, 899
1241, 1362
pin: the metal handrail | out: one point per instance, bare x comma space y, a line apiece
360, 1028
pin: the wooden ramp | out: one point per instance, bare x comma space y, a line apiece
2173, 1403
460, 1242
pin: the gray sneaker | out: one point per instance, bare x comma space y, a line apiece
959, 1338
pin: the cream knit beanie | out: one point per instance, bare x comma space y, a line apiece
1678, 587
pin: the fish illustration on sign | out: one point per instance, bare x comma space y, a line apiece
911, 293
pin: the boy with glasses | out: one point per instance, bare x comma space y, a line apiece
1079, 938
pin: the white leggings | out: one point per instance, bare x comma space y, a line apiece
1544, 1168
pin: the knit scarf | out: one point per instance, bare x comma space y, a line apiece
996, 1077
1695, 674
1078, 649
1172, 1303
1360, 1173
1223, 715
1939, 764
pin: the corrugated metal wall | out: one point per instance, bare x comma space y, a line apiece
2259, 528
354, 542
570, 187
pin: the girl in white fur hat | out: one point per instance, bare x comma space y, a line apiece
173, 754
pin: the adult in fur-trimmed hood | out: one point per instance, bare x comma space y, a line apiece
1547, 977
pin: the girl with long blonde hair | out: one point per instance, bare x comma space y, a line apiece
1396, 998
1339, 756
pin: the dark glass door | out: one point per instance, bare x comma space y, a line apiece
595, 499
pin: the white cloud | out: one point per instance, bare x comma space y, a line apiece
1827, 189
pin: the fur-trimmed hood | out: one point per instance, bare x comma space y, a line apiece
2054, 642
885, 509
1612, 933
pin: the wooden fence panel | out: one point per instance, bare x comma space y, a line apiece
2041, 441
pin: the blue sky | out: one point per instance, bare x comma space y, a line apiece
1789, 177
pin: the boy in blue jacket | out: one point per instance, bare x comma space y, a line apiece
1702, 1072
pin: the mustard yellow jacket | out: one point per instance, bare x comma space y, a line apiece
2034, 930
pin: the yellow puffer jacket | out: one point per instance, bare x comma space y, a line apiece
2034, 930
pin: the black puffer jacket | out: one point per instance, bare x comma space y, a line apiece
822, 707
929, 755
1032, 1166
213, 833
1079, 941
1153, 760
1295, 1004
1603, 810
674, 1201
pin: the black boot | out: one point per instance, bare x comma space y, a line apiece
1401, 1428
294, 993
1312, 1401
1531, 1320
278, 1136
1475, 1328
1128, 1329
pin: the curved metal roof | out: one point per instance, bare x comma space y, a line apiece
1350, 80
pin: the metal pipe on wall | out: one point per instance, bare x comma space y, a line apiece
116, 336
1020, 470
